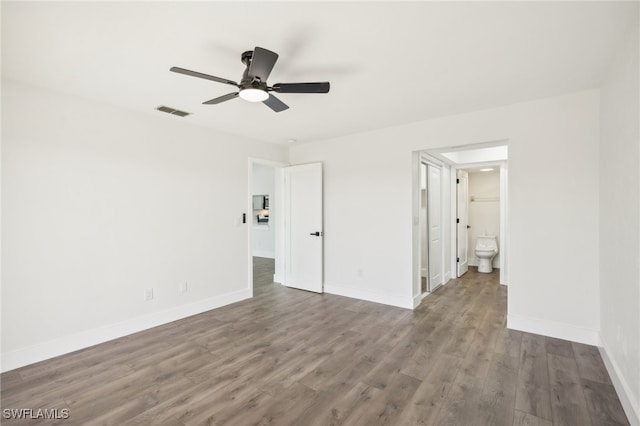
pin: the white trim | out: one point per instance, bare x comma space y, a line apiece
267, 254
437, 153
63, 345
370, 296
417, 299
426, 157
504, 224
555, 329
453, 214
631, 409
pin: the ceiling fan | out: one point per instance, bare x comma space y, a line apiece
253, 87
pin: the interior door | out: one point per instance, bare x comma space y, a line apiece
303, 227
462, 214
434, 225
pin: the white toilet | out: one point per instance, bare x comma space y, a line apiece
486, 250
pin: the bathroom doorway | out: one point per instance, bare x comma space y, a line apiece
486, 168
437, 260
481, 202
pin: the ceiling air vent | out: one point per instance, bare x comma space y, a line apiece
173, 111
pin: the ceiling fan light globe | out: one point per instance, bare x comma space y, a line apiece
254, 95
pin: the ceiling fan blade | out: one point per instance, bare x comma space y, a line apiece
262, 63
220, 99
201, 75
301, 87
275, 104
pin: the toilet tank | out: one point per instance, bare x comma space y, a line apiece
486, 242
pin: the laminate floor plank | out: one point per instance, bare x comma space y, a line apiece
461, 405
559, 347
385, 407
525, 419
603, 404
590, 364
532, 395
290, 357
568, 404
332, 409
354, 372
497, 401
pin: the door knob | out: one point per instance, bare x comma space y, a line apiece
316, 234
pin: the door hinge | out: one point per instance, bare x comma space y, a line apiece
457, 220
457, 180
457, 260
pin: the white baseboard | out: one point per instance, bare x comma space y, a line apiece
558, 330
417, 299
369, 296
267, 254
63, 345
631, 408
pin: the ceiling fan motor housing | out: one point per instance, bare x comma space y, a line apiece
247, 81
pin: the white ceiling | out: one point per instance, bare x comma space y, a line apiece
388, 62
476, 155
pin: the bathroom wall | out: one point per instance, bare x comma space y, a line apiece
484, 210
263, 241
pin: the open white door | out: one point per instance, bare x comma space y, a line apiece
434, 224
462, 214
303, 227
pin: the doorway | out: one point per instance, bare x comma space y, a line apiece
264, 221
284, 222
477, 158
481, 206
448, 254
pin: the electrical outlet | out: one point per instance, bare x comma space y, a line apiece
148, 294
183, 287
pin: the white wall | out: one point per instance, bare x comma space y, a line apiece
620, 223
263, 234
369, 202
98, 204
484, 211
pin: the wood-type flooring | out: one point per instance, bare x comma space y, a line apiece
290, 357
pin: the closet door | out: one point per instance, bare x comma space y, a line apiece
434, 225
